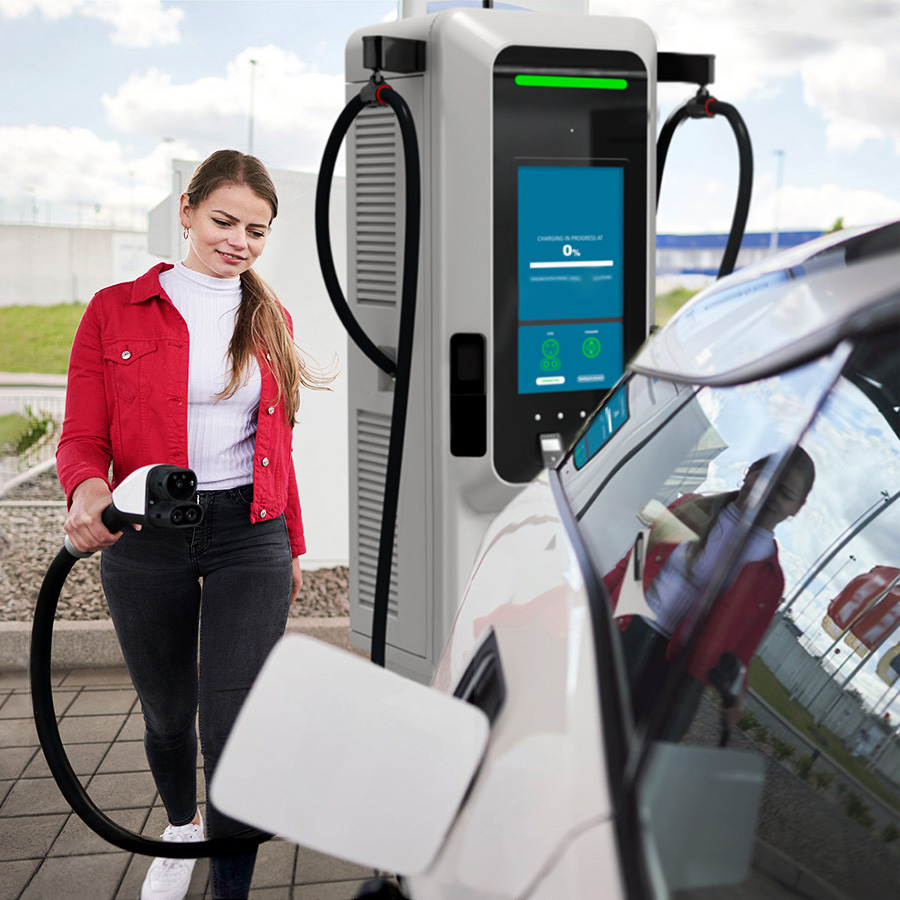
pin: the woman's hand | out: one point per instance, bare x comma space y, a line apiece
83, 524
296, 578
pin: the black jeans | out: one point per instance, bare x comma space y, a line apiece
225, 585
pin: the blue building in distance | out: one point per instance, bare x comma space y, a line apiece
701, 254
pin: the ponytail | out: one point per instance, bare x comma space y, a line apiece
261, 328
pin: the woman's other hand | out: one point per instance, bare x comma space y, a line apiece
83, 524
296, 579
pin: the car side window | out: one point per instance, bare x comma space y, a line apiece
679, 509
747, 540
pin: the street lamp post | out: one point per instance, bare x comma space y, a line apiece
779, 176
252, 105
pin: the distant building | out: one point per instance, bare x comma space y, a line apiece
701, 254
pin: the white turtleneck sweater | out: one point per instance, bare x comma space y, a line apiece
221, 434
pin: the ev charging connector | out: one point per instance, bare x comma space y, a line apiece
159, 496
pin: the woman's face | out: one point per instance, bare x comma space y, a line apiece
785, 499
227, 230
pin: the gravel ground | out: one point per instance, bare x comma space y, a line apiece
30, 537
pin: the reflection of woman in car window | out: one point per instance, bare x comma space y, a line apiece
685, 546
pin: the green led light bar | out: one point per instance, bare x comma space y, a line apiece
565, 81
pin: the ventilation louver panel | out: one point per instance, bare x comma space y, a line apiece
375, 168
373, 432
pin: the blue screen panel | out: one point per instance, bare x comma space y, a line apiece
570, 242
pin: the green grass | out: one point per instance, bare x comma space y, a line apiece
666, 305
776, 695
38, 338
12, 426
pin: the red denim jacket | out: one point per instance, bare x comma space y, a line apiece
126, 401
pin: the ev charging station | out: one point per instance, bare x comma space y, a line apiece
537, 143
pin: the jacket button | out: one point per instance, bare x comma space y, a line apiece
126, 354
262, 513
270, 410
265, 460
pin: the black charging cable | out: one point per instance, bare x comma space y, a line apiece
48, 729
704, 106
378, 92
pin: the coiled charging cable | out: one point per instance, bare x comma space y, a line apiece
378, 92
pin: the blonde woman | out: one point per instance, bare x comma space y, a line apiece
193, 365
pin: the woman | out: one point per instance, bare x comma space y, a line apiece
193, 365
676, 573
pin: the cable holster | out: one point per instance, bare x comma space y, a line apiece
704, 106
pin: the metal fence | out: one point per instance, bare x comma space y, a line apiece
34, 403
31, 210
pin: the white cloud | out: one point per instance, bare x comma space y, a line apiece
818, 207
693, 201
294, 110
74, 164
857, 90
137, 23
842, 50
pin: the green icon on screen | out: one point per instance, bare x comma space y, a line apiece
550, 365
590, 347
550, 348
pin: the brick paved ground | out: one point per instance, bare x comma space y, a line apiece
47, 853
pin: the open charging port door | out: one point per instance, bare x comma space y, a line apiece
349, 759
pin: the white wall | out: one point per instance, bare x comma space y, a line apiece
45, 264
290, 265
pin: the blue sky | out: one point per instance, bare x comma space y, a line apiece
97, 87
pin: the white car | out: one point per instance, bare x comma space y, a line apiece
666, 588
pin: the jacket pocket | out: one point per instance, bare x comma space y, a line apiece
125, 363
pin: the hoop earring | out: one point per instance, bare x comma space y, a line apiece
185, 233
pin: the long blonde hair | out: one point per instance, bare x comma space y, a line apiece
261, 325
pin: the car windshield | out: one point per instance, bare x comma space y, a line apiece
746, 538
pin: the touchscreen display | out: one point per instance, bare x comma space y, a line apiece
570, 251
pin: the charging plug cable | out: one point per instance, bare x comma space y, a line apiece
154, 496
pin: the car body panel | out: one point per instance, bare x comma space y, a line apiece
545, 755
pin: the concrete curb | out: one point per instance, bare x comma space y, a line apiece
85, 645
31, 379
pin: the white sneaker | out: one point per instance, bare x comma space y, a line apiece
169, 879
